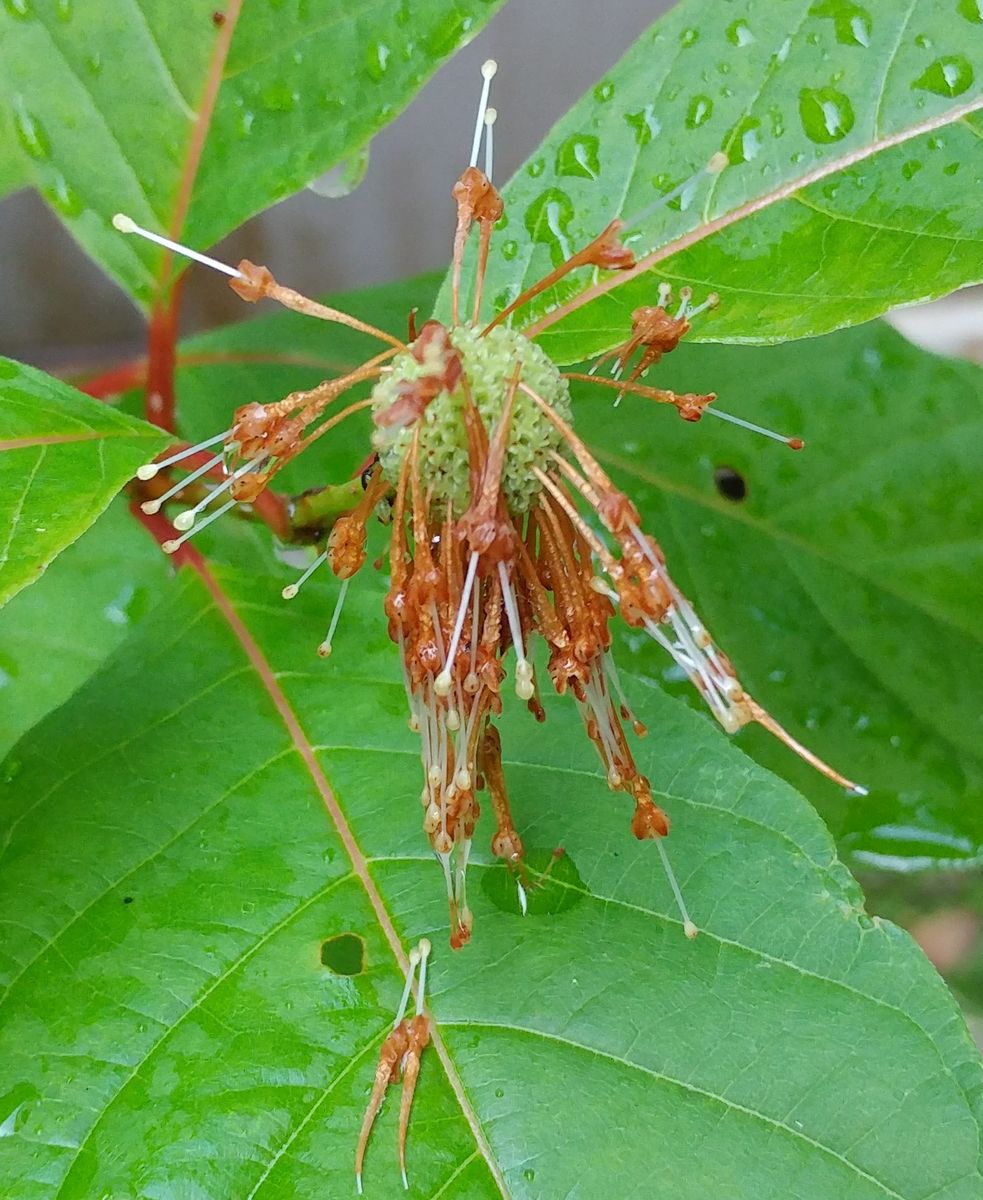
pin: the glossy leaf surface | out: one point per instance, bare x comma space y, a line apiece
853, 141
169, 853
54, 635
117, 109
63, 456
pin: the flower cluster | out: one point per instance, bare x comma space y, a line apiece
486, 484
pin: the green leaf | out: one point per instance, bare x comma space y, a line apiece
115, 108
855, 169
63, 456
843, 586
169, 855
11, 167
54, 635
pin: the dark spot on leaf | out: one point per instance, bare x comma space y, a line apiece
344, 954
551, 881
127, 899
730, 484
218, 18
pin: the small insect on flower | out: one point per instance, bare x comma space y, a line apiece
474, 448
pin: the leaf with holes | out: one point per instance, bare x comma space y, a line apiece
63, 457
853, 138
189, 837
192, 119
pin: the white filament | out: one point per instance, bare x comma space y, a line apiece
768, 433
325, 647
688, 927
442, 684
152, 506
292, 589
171, 546
488, 69
125, 224
491, 116
149, 470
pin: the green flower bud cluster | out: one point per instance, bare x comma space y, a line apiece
489, 365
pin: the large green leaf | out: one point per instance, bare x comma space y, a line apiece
843, 586
115, 107
846, 583
855, 169
169, 874
63, 456
55, 634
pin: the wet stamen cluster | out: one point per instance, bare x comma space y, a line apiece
504, 529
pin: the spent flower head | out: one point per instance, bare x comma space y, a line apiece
505, 530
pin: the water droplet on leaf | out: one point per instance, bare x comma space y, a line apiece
744, 140
689, 37
645, 124
739, 33
31, 133
344, 177
699, 112
376, 60
947, 76
851, 22
604, 92
578, 155
972, 10
827, 115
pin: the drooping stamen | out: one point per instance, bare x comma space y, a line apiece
404, 999
424, 949
716, 164
324, 650
524, 688
491, 116
292, 589
153, 506
170, 546
688, 926
125, 224
442, 684
149, 470
488, 69
186, 519
794, 443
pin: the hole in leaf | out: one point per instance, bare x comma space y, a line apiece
730, 484
344, 954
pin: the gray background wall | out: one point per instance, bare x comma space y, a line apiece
56, 308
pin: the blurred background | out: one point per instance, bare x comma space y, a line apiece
58, 311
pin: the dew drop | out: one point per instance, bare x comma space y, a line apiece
63, 10
344, 177
31, 133
510, 249
781, 54
604, 92
554, 884
645, 124
951, 169
10, 770
536, 167
827, 115
972, 10
699, 112
947, 76
689, 37
911, 168
777, 119
93, 63
21, 9
744, 141
578, 155
528, 1174
376, 60
403, 14
547, 219
62, 197
499, 1093
246, 119
505, 297
739, 34
923, 42
851, 22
